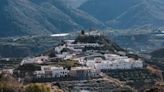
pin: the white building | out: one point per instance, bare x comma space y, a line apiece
58, 49
69, 56
35, 60
65, 55
113, 61
94, 33
84, 72
40, 74
51, 72
59, 72
69, 41
138, 64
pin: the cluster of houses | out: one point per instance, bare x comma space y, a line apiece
50, 71
60, 72
91, 62
113, 61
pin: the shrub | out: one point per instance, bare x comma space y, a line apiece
9, 84
37, 88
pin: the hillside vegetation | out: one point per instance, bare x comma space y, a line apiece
31, 17
125, 14
158, 53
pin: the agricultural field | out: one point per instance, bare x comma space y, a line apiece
135, 78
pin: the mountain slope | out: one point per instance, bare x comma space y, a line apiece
143, 14
74, 3
107, 9
123, 14
78, 16
158, 53
41, 17
6, 26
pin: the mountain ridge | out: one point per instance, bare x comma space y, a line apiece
44, 17
41, 17
127, 14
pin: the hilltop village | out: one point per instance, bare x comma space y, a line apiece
92, 53
91, 62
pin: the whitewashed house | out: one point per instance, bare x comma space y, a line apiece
59, 72
35, 60
113, 61
51, 72
40, 74
58, 49
68, 42
94, 33
84, 72
138, 64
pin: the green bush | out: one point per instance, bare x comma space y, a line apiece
37, 88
